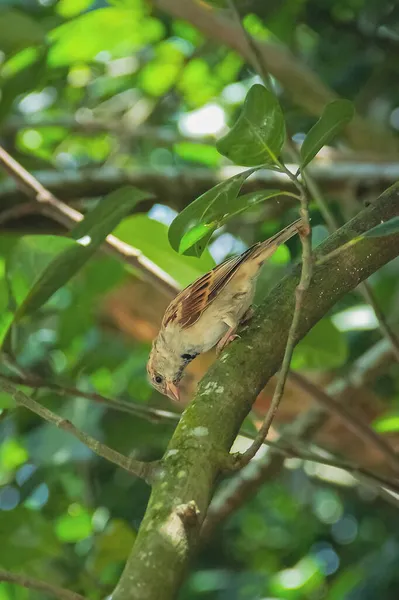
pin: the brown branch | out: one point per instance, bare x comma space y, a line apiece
128, 407
39, 586
133, 466
176, 188
358, 427
67, 216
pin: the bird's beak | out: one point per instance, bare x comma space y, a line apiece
173, 391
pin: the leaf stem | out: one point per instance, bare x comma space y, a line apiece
300, 294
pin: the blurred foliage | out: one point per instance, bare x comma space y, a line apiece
67, 516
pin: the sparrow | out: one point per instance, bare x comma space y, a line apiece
208, 312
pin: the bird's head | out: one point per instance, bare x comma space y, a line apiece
165, 369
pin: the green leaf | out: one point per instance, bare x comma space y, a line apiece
18, 30
208, 210
151, 237
324, 347
12, 454
259, 133
387, 423
334, 117
199, 153
105, 29
388, 228
75, 525
73, 252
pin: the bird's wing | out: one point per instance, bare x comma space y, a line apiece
188, 306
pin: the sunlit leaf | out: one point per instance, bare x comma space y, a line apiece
324, 347
151, 237
388, 228
208, 210
12, 454
70, 8
74, 526
259, 133
200, 153
387, 423
335, 116
105, 29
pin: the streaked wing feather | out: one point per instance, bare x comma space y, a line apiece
189, 305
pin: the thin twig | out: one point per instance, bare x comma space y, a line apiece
68, 216
300, 293
40, 586
133, 466
256, 57
362, 430
132, 408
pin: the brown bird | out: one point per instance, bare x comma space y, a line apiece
208, 312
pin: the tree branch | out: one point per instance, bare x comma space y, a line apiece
131, 408
359, 428
177, 188
40, 586
67, 216
133, 466
303, 85
210, 423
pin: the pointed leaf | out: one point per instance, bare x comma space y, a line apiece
245, 201
259, 133
87, 236
209, 209
334, 117
388, 228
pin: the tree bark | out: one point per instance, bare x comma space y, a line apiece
170, 530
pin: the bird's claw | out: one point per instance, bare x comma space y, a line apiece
225, 342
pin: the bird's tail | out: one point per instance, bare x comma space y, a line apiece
268, 247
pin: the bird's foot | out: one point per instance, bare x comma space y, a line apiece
225, 341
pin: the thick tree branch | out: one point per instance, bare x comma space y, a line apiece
40, 586
302, 84
133, 466
209, 425
67, 216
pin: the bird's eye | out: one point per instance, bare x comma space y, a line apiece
158, 379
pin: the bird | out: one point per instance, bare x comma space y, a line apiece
208, 312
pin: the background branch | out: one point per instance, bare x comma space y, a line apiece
68, 216
300, 83
40, 586
133, 466
247, 482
